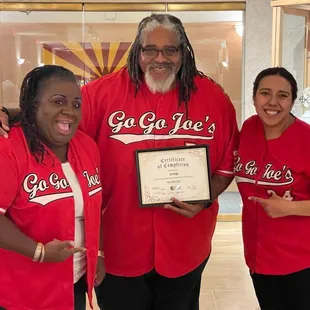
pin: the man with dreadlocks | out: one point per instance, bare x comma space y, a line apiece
155, 256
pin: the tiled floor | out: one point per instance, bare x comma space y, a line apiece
226, 282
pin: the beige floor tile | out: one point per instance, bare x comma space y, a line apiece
231, 280
235, 300
207, 301
226, 262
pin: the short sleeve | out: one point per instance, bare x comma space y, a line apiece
231, 143
8, 179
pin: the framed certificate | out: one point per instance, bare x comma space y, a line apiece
179, 172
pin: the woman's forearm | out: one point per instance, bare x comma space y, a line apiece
12, 239
301, 208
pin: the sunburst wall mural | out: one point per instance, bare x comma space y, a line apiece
87, 60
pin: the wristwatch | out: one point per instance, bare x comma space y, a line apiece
5, 110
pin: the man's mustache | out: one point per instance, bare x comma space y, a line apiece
160, 66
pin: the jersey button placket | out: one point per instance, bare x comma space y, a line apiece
159, 114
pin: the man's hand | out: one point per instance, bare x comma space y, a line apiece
100, 271
4, 124
185, 209
275, 206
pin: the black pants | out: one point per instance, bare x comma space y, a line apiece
151, 292
288, 292
80, 289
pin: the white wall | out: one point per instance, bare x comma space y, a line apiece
293, 52
257, 53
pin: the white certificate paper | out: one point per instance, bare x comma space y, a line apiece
182, 173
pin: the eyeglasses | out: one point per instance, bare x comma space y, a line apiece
152, 52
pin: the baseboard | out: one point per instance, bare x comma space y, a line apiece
229, 217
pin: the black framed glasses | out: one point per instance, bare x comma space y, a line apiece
152, 52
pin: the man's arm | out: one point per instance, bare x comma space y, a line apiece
218, 184
5, 116
224, 172
14, 112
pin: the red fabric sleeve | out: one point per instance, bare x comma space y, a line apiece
9, 178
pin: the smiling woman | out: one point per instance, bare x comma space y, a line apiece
51, 97
273, 176
51, 209
274, 94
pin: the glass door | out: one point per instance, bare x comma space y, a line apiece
291, 51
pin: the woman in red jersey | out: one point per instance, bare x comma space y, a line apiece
50, 202
273, 175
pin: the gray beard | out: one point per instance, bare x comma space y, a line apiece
159, 86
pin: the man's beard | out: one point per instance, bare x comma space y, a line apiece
160, 86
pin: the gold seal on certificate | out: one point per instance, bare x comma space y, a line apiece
180, 172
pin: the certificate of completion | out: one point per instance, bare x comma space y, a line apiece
180, 172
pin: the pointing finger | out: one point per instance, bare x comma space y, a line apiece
257, 199
75, 250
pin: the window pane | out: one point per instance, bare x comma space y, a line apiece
30, 39
108, 37
293, 53
216, 37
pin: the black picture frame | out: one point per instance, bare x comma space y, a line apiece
138, 171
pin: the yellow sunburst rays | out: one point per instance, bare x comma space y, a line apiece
50, 57
97, 48
113, 63
77, 49
89, 60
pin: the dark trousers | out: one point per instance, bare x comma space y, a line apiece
80, 289
288, 292
151, 292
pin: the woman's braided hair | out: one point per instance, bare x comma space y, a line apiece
28, 103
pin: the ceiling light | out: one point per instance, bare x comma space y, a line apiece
20, 61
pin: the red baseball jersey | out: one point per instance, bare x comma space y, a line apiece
38, 199
138, 239
274, 246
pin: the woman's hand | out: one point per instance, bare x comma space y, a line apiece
59, 251
275, 206
100, 271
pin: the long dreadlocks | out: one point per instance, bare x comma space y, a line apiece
28, 103
188, 69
